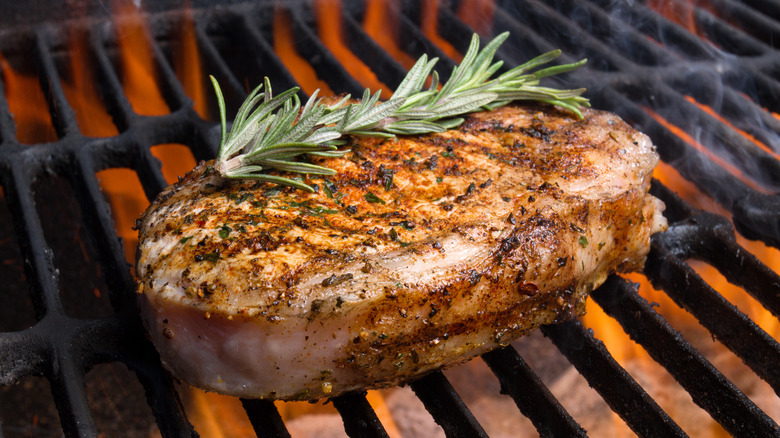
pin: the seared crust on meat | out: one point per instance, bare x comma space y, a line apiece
422, 252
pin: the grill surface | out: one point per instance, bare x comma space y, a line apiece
640, 65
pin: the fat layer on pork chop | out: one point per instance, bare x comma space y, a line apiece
421, 252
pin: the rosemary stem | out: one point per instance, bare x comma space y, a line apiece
272, 132
225, 167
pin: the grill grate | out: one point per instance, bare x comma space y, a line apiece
641, 65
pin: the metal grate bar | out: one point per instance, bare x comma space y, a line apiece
115, 100
7, 127
39, 259
24, 354
67, 387
160, 392
230, 85
359, 418
327, 66
621, 392
733, 107
267, 60
386, 68
168, 83
738, 265
417, 44
531, 395
756, 222
121, 337
62, 115
621, 83
730, 326
707, 386
96, 214
770, 8
758, 26
265, 418
446, 406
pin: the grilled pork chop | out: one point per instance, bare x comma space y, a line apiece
422, 252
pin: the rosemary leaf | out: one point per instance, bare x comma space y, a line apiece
273, 132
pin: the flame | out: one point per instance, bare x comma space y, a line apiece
767, 255
429, 23
216, 415
28, 105
680, 12
297, 65
664, 390
189, 69
690, 140
330, 27
121, 186
381, 24
138, 70
91, 115
478, 14
709, 110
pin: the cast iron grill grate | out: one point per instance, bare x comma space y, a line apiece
639, 67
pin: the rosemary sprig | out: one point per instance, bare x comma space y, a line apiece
272, 132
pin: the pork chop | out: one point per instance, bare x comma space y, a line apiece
422, 252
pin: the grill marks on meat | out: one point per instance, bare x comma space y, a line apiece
421, 252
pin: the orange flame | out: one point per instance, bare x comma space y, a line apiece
381, 24
680, 12
330, 28
690, 140
28, 105
709, 110
637, 360
297, 65
121, 186
215, 415
91, 115
189, 69
430, 23
138, 70
478, 14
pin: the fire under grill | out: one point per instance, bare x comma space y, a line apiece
702, 86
